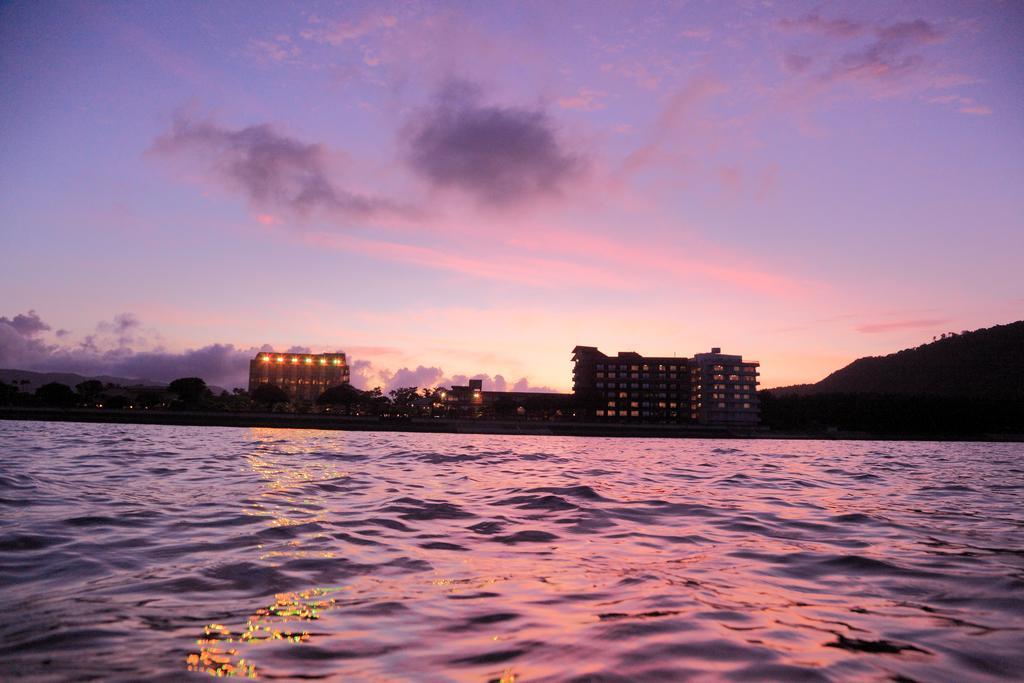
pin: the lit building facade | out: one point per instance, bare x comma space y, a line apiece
724, 389
303, 376
711, 388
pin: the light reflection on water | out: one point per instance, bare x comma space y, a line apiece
161, 552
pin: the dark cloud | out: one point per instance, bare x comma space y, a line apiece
890, 52
888, 55
25, 324
273, 170
498, 155
226, 365
21, 348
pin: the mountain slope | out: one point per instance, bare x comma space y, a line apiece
987, 363
34, 380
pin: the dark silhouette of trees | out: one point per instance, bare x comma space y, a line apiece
116, 402
8, 394
191, 391
403, 400
269, 395
892, 414
345, 396
90, 391
57, 394
149, 399
374, 402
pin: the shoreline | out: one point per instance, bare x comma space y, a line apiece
457, 426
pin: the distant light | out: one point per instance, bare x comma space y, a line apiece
280, 359
323, 361
309, 360
266, 358
295, 359
337, 361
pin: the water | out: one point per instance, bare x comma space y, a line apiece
132, 552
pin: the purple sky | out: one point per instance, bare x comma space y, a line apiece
463, 188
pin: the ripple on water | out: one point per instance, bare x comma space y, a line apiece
145, 552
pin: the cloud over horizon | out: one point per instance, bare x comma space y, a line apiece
106, 352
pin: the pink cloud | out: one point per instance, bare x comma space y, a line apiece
644, 261
585, 99
532, 271
340, 32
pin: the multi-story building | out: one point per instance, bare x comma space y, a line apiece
629, 387
303, 376
723, 389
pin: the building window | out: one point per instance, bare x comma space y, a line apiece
721, 405
600, 413
747, 406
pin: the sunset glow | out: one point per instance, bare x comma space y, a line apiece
444, 191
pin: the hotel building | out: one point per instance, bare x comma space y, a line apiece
303, 376
711, 388
723, 389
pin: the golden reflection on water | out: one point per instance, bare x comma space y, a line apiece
218, 654
282, 472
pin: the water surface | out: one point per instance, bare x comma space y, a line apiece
150, 552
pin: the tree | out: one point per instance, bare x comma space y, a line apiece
403, 399
374, 402
269, 394
56, 394
149, 399
435, 400
90, 390
343, 395
8, 394
190, 390
115, 402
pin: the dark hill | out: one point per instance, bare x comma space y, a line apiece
34, 380
984, 364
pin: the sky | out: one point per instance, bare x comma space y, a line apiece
448, 190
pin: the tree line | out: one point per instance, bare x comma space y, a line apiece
192, 393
